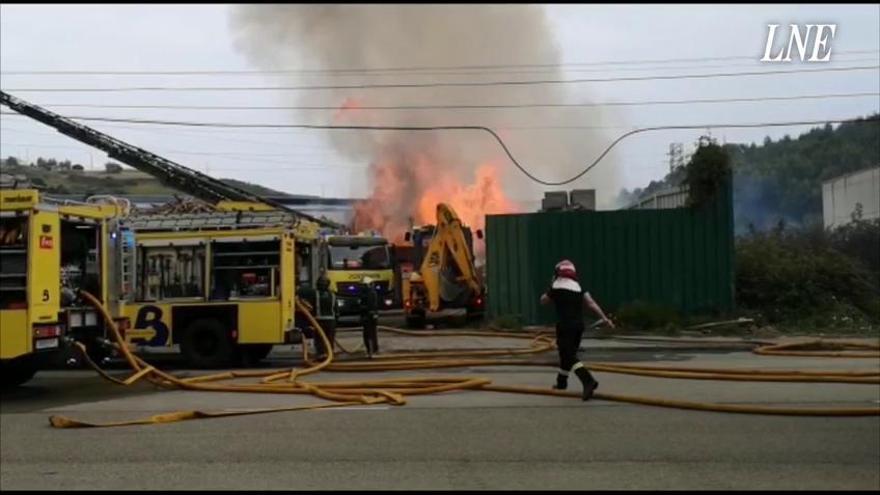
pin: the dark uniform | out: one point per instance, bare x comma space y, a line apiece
568, 299
370, 319
569, 325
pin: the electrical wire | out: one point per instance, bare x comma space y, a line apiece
469, 107
492, 72
398, 69
449, 84
485, 129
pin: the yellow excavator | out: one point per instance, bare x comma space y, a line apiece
445, 276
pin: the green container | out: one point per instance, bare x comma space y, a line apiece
681, 258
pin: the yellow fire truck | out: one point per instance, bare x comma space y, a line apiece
46, 248
222, 291
348, 260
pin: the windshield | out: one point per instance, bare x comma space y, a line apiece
359, 258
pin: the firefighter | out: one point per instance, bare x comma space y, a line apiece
370, 317
569, 299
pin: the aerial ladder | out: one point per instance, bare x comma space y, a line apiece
445, 277
174, 175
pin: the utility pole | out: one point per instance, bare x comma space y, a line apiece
676, 156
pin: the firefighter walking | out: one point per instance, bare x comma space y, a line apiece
569, 299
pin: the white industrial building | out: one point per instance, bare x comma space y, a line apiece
842, 194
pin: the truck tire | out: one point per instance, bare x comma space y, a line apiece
17, 372
416, 319
252, 354
206, 344
473, 315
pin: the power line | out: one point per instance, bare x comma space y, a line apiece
488, 130
283, 132
304, 166
443, 73
448, 84
396, 69
295, 152
468, 107
204, 134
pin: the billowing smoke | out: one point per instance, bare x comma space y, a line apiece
409, 170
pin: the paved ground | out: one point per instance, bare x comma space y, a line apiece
465, 440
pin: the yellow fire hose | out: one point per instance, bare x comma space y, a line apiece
394, 390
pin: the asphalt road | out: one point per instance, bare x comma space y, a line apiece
464, 440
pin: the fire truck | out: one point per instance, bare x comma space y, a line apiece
46, 247
220, 285
350, 259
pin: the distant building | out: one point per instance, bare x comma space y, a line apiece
672, 197
843, 195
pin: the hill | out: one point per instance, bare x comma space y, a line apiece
782, 180
63, 179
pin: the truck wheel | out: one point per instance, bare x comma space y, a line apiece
206, 344
252, 354
474, 314
17, 372
415, 320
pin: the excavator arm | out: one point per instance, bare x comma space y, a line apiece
448, 247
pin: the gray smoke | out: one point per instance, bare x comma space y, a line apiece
393, 36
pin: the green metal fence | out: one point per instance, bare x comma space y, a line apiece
681, 257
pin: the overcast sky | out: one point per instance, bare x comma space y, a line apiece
198, 37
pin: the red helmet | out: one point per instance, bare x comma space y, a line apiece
565, 268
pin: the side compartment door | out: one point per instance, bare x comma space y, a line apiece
288, 280
44, 267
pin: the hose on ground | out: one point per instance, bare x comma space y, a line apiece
394, 391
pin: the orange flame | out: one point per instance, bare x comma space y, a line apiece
409, 181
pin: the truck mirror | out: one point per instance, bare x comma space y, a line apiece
479, 233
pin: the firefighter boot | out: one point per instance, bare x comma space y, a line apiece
588, 382
561, 382
367, 347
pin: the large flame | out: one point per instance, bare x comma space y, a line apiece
410, 193
411, 175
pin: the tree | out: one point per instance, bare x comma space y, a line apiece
112, 168
12, 162
706, 172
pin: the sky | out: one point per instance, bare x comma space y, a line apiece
199, 37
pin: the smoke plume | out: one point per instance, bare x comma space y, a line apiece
409, 171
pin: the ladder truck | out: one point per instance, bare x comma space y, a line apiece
221, 285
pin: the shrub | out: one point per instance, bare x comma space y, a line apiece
791, 275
